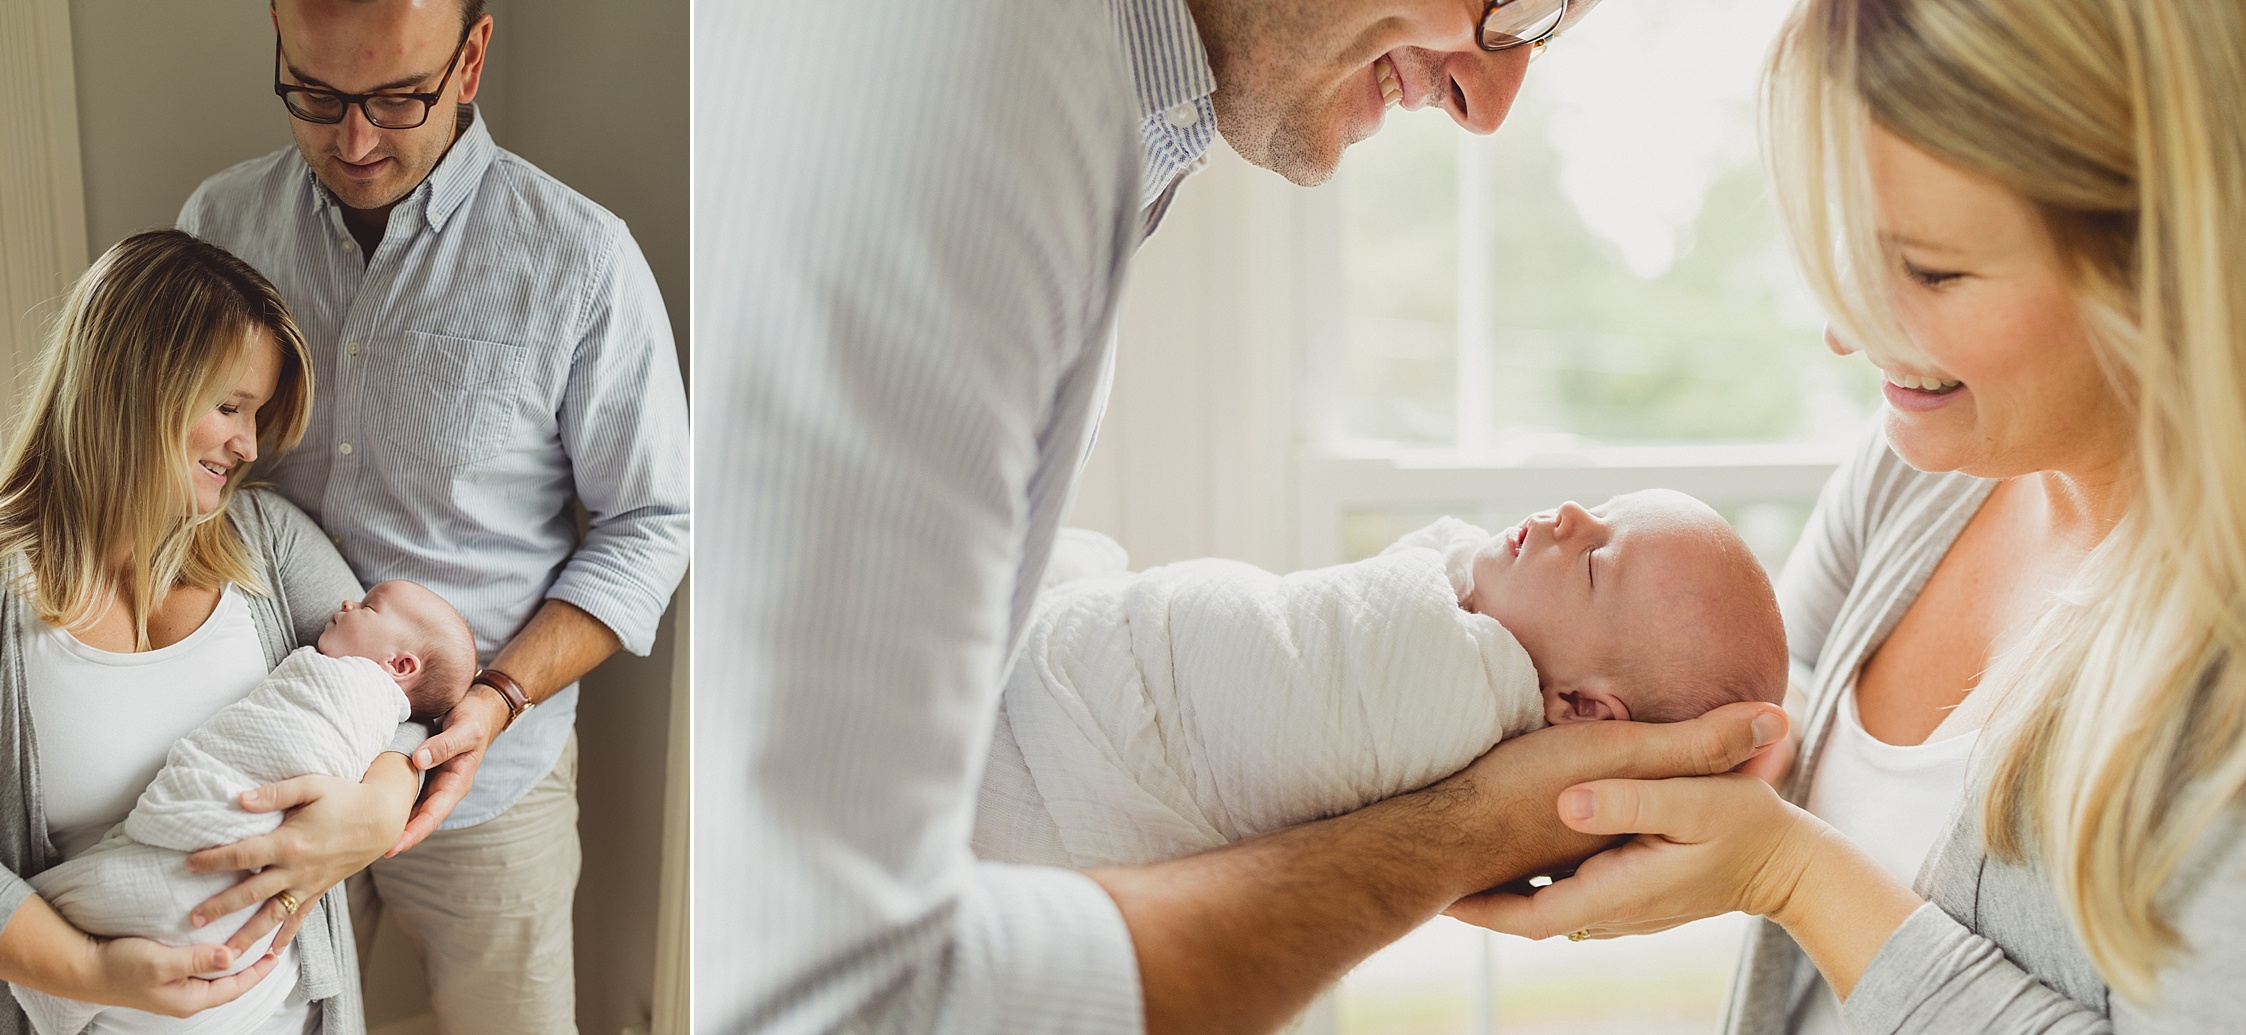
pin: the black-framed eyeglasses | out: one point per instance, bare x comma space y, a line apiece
1518, 23
384, 110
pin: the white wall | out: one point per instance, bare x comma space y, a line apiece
1196, 453
170, 91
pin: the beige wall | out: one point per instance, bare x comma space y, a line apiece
595, 93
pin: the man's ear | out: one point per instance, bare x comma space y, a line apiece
1594, 701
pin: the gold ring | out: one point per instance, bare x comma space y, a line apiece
290, 903
1577, 936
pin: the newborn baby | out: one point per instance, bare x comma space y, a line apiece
1163, 713
399, 653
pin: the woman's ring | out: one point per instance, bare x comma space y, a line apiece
1573, 936
289, 904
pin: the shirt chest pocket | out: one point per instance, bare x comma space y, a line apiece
447, 401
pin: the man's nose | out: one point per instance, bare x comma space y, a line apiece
355, 136
1478, 86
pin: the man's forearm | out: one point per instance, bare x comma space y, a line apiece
1240, 939
560, 644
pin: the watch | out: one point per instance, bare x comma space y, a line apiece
508, 690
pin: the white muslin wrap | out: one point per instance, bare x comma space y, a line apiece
311, 714
1158, 714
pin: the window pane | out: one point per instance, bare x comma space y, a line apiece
1432, 982
1635, 286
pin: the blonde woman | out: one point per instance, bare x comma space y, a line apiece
2020, 619
144, 592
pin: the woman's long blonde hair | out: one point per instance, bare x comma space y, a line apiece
149, 338
2122, 736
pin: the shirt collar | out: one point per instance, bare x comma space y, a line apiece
461, 169
1169, 66
448, 185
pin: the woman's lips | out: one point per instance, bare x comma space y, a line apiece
1920, 400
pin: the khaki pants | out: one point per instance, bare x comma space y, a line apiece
487, 908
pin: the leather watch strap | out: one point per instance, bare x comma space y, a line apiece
509, 690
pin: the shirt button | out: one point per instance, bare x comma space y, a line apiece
347, 246
336, 539
1182, 115
351, 347
345, 449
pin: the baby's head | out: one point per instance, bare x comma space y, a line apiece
1645, 607
414, 635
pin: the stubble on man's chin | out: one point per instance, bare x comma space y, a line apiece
1295, 144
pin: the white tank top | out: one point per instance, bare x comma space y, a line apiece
104, 722
1892, 801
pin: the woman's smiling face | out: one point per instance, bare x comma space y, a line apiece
224, 436
2009, 382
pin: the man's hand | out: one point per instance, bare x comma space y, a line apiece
1504, 801
1242, 937
451, 758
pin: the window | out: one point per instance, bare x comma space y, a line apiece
1597, 298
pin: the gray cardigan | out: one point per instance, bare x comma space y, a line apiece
307, 578
1991, 953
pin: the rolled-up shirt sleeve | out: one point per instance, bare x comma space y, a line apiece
905, 273
623, 423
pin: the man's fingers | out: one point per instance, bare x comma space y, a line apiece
446, 789
1552, 910
1713, 743
439, 749
1772, 763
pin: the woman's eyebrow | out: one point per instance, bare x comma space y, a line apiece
1907, 241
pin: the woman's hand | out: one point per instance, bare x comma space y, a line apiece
39, 949
1706, 846
149, 975
335, 827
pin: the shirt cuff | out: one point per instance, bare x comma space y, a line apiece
409, 736
1043, 950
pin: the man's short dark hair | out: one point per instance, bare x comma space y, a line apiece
471, 12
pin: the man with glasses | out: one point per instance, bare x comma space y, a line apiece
913, 224
489, 349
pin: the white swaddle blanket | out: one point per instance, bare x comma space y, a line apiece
1163, 713
311, 714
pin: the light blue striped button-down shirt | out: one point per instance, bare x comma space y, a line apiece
504, 352
907, 271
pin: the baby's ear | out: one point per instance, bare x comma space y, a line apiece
404, 666
1594, 701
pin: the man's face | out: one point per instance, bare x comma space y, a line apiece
1299, 81
393, 46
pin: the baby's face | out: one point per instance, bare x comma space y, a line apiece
1579, 587
388, 627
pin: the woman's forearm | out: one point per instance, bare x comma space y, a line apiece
39, 949
1842, 908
